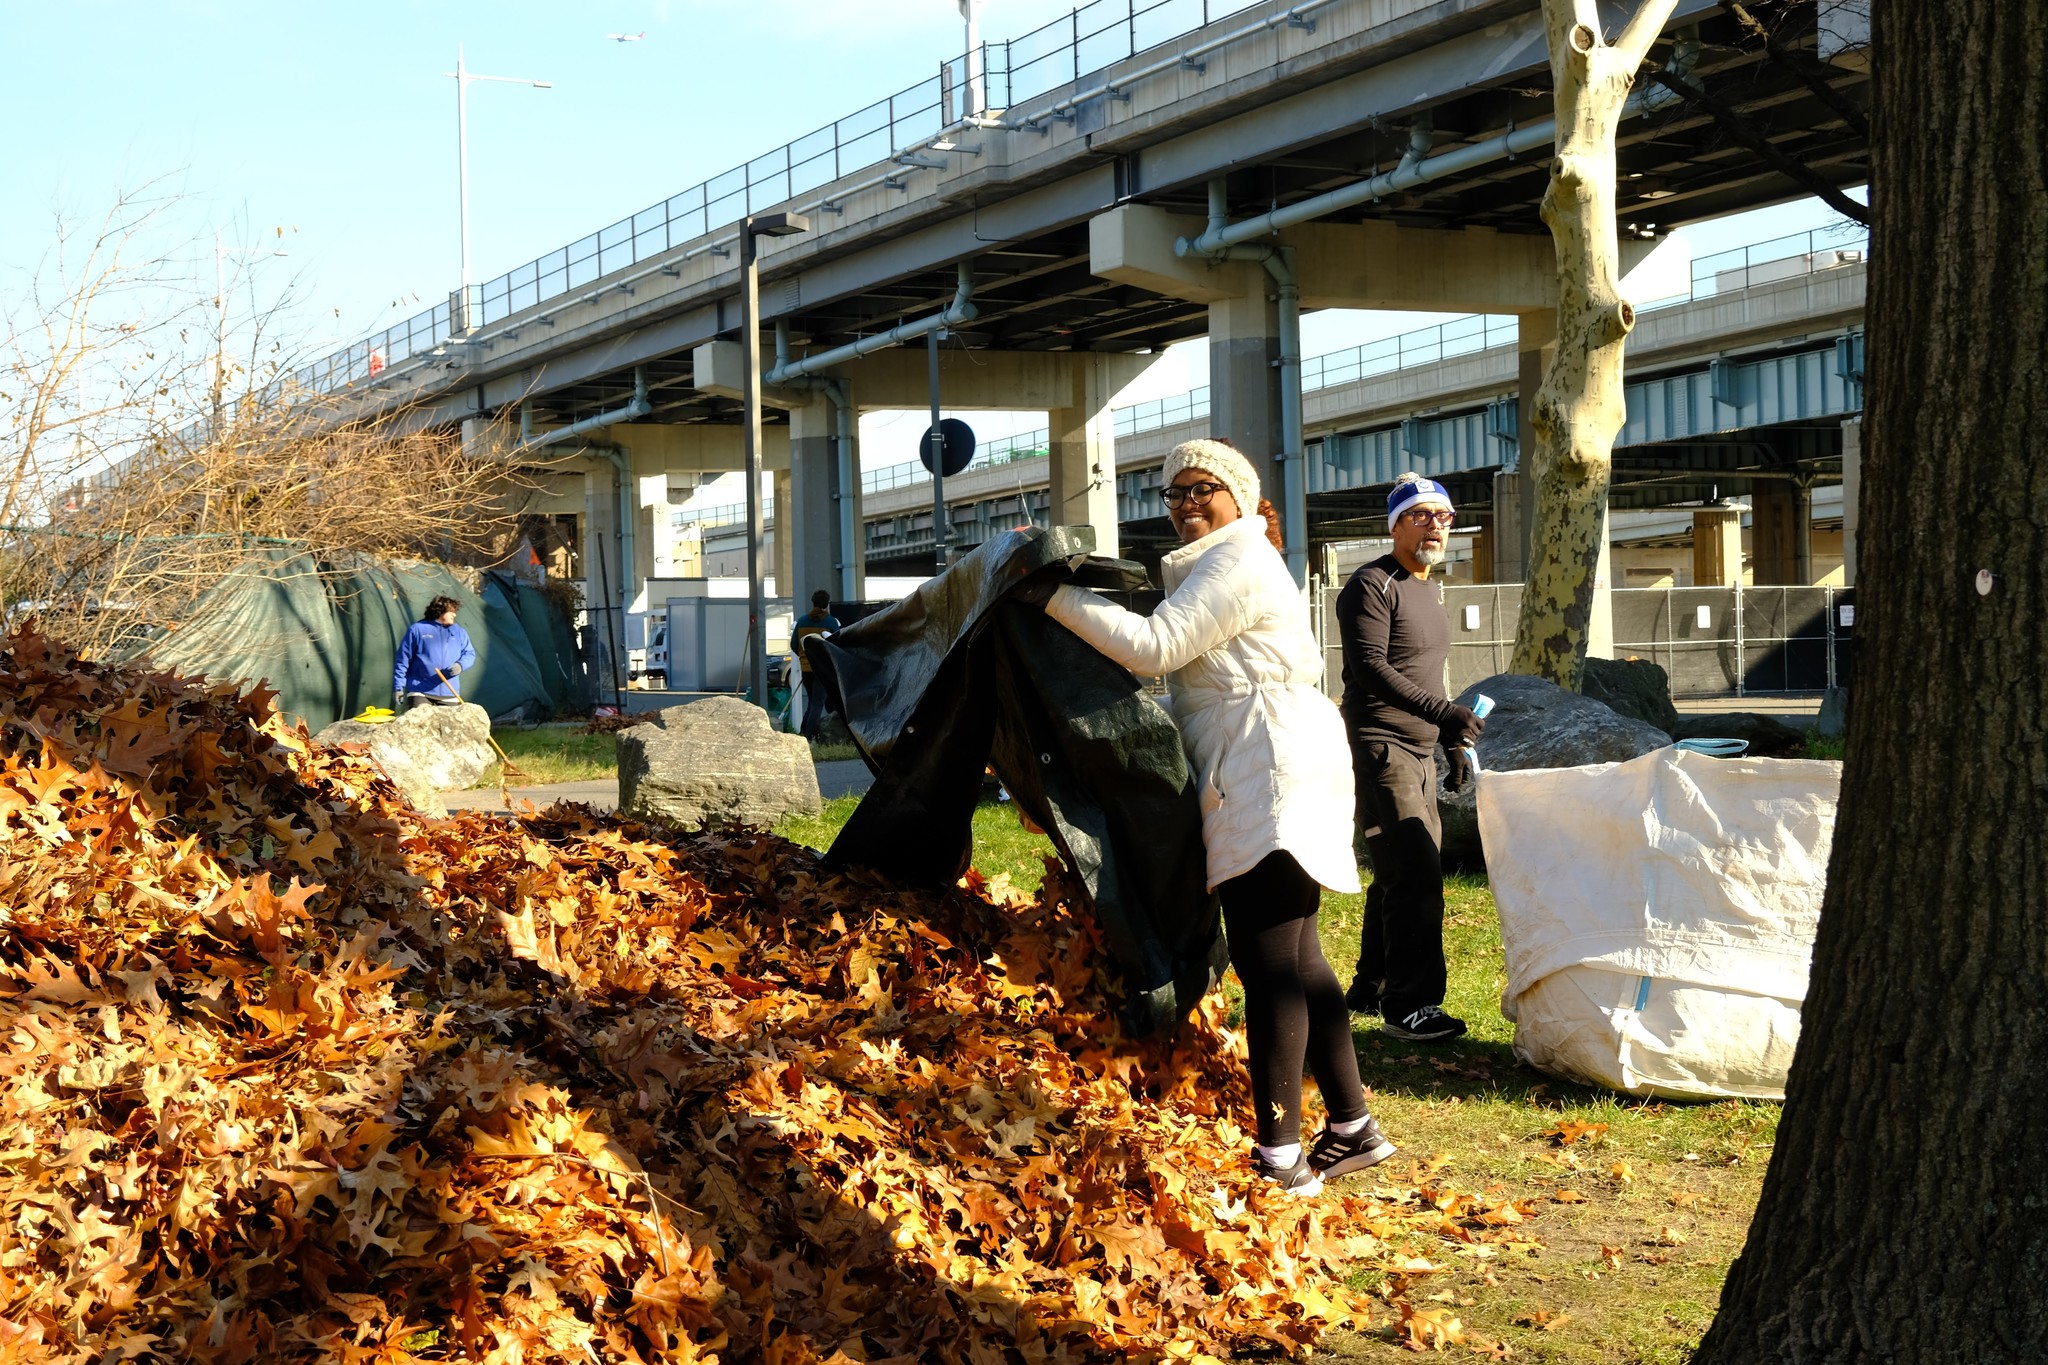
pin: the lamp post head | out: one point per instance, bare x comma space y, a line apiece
784, 224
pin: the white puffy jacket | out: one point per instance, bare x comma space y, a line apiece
1268, 748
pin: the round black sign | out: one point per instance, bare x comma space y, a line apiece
959, 445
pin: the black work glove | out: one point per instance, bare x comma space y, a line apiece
1037, 589
1460, 728
1460, 768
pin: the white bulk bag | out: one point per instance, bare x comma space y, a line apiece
1658, 916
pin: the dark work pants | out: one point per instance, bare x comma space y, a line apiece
1293, 1003
814, 707
1401, 948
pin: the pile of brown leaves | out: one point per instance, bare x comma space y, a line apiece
292, 1073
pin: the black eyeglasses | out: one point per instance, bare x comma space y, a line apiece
1424, 516
1174, 494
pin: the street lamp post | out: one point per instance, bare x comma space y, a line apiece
752, 228
977, 92
463, 76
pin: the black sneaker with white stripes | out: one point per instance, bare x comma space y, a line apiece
1336, 1154
1299, 1179
1427, 1025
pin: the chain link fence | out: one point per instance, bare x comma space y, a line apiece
1712, 642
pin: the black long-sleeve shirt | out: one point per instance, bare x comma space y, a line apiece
1396, 641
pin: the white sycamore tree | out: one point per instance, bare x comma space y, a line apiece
1579, 406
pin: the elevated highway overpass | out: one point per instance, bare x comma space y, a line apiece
1739, 389
1400, 147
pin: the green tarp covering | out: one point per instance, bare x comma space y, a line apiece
324, 635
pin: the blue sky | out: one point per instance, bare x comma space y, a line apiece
335, 123
334, 126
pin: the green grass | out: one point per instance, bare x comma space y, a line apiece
833, 753
1001, 844
1671, 1227
1694, 1169
553, 753
557, 753
1819, 745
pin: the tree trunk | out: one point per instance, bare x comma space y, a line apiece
1579, 406
1903, 1215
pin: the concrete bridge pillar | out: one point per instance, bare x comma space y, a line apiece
1244, 369
1716, 548
1514, 493
781, 543
1082, 458
807, 514
1852, 488
1780, 533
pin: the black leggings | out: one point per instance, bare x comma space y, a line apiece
1293, 1005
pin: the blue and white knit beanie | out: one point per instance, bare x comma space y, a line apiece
1413, 490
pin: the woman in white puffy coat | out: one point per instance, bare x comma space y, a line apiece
1273, 763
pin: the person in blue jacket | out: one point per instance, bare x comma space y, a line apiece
434, 642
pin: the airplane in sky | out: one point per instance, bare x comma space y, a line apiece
627, 37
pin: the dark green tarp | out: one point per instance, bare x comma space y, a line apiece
324, 635
955, 678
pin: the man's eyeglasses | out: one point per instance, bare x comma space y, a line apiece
1198, 493
1426, 516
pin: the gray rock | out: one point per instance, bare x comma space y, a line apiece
1633, 687
1768, 736
714, 760
1536, 724
1834, 712
426, 751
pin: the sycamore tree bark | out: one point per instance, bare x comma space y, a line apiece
1579, 406
1905, 1213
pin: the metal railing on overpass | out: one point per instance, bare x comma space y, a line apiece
1014, 72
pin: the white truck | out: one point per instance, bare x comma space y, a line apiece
647, 660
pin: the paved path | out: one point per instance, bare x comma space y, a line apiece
845, 777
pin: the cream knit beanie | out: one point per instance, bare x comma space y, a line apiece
1222, 463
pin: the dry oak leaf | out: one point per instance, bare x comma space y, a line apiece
1429, 1329
1542, 1319
1569, 1131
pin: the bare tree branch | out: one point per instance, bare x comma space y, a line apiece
1745, 133
1814, 73
1643, 28
124, 501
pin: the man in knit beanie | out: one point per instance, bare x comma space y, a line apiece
1397, 641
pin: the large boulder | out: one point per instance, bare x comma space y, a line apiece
714, 760
1536, 724
1633, 687
426, 751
